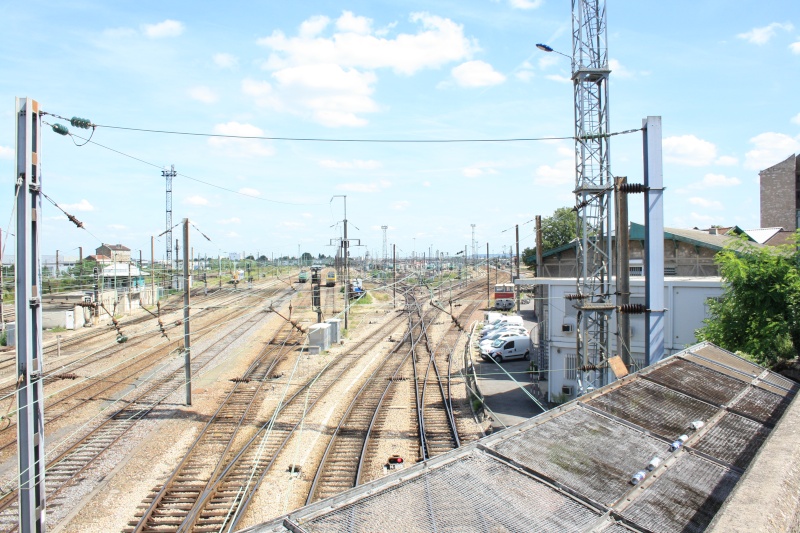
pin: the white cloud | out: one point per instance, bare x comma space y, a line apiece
704, 203
689, 150
364, 187
360, 164
6, 152
232, 220
438, 41
117, 226
476, 74
726, 161
710, 181
478, 170
306, 215
426, 183
795, 48
770, 149
250, 192
203, 94
795, 120
524, 72
334, 96
223, 60
558, 78
83, 205
331, 79
562, 173
313, 26
401, 205
548, 60
168, 28
196, 200
618, 70
291, 224
525, 4
240, 147
763, 35
353, 24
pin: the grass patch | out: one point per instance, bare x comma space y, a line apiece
58, 329
364, 300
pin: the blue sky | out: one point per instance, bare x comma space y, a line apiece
724, 76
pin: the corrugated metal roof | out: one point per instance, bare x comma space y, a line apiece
570, 468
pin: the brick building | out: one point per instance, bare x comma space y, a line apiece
118, 252
780, 194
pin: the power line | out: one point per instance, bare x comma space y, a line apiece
88, 141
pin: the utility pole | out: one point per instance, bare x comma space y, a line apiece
488, 292
384, 255
516, 287
56, 272
2, 314
394, 275
153, 269
187, 285
473, 244
169, 174
30, 399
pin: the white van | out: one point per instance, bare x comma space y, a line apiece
510, 348
486, 344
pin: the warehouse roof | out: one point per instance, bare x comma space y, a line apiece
570, 469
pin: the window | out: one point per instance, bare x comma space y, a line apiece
509, 345
570, 366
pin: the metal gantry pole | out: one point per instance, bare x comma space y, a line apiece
187, 286
394, 275
654, 239
623, 272
30, 400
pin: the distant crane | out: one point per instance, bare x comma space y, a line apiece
593, 190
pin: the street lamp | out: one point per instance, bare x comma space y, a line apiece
546, 48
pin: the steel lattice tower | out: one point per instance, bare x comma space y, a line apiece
169, 174
593, 188
385, 246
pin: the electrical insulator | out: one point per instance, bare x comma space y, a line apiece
633, 309
60, 129
78, 122
578, 296
632, 188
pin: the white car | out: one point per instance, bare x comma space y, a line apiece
501, 330
511, 348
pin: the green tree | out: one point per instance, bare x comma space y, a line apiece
759, 311
557, 230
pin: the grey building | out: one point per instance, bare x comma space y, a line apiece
780, 194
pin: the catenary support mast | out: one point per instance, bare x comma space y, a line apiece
30, 401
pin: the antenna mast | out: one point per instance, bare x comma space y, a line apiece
593, 189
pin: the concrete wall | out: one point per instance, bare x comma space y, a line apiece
779, 195
686, 303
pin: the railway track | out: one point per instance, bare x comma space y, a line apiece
224, 499
109, 382
355, 442
188, 481
159, 385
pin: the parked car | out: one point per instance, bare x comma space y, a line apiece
485, 344
510, 348
496, 331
